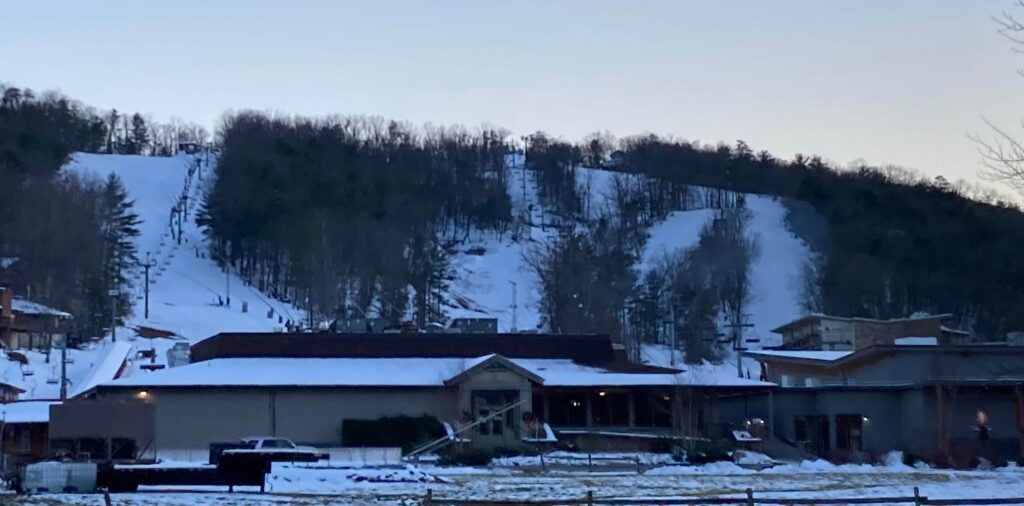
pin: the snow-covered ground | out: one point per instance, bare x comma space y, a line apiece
288, 484
485, 267
185, 283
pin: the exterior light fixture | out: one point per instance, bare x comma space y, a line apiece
143, 394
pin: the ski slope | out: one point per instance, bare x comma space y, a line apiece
185, 284
485, 267
775, 274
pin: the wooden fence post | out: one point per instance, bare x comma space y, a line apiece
590, 498
750, 497
106, 498
590, 462
429, 499
917, 497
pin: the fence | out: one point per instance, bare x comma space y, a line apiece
748, 500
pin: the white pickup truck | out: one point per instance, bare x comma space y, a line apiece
278, 449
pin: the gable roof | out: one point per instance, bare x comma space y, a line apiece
489, 361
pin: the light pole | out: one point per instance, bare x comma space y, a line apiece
146, 266
514, 306
114, 294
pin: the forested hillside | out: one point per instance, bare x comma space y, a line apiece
354, 217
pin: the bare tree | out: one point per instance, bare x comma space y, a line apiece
1002, 154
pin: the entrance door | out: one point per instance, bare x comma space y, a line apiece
501, 426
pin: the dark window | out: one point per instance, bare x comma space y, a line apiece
812, 433
567, 410
610, 409
849, 432
653, 409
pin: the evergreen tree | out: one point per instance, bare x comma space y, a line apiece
119, 227
139, 140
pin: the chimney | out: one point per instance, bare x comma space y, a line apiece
6, 297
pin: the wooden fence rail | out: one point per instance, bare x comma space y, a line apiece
750, 500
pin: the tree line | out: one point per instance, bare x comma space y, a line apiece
65, 239
352, 217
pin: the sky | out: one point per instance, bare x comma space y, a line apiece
885, 82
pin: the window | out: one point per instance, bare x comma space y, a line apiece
25, 441
495, 403
567, 410
849, 432
610, 409
653, 409
812, 433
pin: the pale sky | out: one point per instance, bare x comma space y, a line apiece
899, 82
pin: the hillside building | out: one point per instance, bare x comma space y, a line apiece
26, 324
943, 403
833, 333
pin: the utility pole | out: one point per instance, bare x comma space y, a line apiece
514, 306
64, 369
672, 330
737, 340
113, 293
146, 266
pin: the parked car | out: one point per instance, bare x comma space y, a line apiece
277, 449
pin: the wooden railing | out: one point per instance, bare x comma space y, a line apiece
590, 499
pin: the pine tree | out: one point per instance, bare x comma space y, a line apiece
119, 228
139, 140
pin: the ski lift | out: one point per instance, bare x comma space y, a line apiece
26, 370
69, 360
53, 379
752, 340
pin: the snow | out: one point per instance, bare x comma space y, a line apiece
397, 372
26, 412
295, 484
41, 377
775, 274
749, 458
26, 306
185, 283
394, 372
916, 341
107, 369
823, 356
485, 266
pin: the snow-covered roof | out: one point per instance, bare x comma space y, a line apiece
26, 412
396, 372
823, 356
916, 341
25, 306
106, 369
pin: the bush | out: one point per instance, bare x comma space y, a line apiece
406, 432
707, 451
470, 457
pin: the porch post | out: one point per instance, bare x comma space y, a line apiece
632, 410
677, 408
1018, 411
589, 408
547, 405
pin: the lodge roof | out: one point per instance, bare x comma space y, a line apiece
819, 316
582, 348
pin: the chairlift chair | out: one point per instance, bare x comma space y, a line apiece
26, 370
